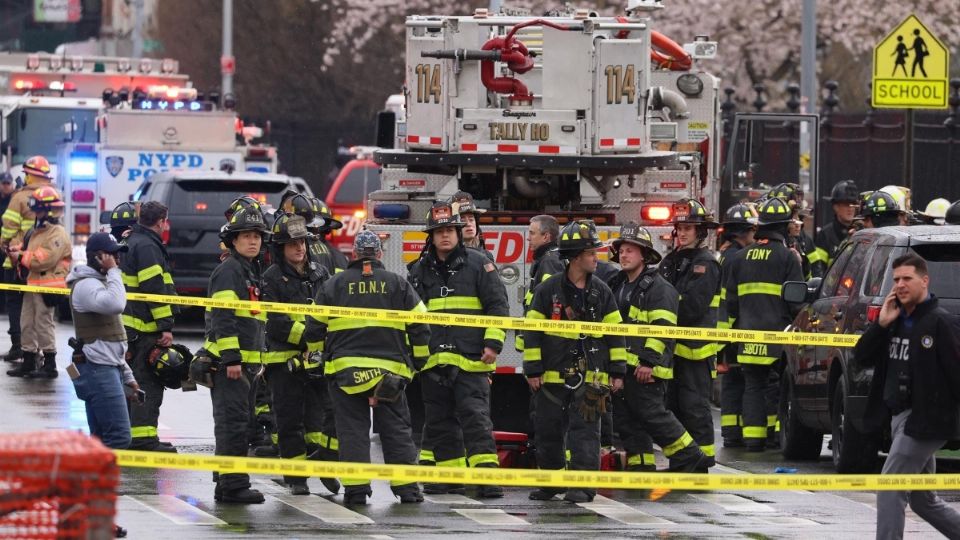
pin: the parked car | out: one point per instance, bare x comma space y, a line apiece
197, 201
347, 199
823, 390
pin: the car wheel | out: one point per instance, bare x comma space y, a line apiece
797, 441
853, 451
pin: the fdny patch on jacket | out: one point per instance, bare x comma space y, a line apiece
926, 341
699, 269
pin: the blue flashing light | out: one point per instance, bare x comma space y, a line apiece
396, 212
83, 168
256, 169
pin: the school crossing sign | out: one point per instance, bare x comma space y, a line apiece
911, 69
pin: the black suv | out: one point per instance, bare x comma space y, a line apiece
823, 390
197, 201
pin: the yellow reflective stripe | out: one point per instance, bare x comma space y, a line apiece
723, 325
225, 295
531, 355
818, 255
139, 325
421, 351
632, 359
495, 334
730, 420
366, 362
227, 343
12, 215
708, 450
296, 333
664, 314
354, 482
419, 308
278, 357
637, 315
454, 302
426, 455
129, 281
613, 317
715, 301
684, 441
655, 345
167, 279
554, 377
479, 459
261, 409
363, 387
161, 312
544, 278
635, 459
315, 346
723, 293
312, 437
340, 324
759, 288
454, 359
149, 272
534, 314
755, 432
772, 420
527, 298
756, 360
455, 462
661, 372
699, 353
143, 431
618, 354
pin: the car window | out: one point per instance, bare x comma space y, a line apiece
203, 197
142, 191
943, 267
359, 182
852, 273
830, 281
879, 262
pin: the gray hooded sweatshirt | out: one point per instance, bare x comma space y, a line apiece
104, 294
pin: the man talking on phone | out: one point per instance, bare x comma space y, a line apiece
99, 371
916, 381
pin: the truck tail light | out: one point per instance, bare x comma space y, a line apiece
873, 313
657, 212
81, 224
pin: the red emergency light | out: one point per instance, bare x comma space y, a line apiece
657, 212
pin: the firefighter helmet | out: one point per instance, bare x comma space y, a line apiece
465, 203
367, 244
171, 364
123, 215
633, 233
242, 202
244, 219
953, 214
45, 199
288, 227
329, 222
774, 211
441, 215
899, 194
787, 191
37, 167
739, 214
845, 191
693, 212
936, 210
880, 203
300, 205
577, 237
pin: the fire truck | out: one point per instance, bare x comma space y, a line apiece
575, 115
48, 98
154, 129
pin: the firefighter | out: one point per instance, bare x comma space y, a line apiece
325, 229
470, 215
738, 228
45, 260
301, 405
754, 277
881, 209
845, 200
17, 220
368, 363
122, 219
542, 235
645, 297
935, 212
571, 374
304, 207
694, 271
814, 263
234, 339
146, 269
451, 278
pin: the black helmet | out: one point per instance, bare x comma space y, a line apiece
879, 203
773, 211
171, 364
789, 192
242, 202
577, 237
739, 214
288, 227
442, 215
953, 214
123, 215
244, 219
845, 192
633, 233
321, 209
465, 204
367, 244
693, 212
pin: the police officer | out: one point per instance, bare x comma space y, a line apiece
754, 278
572, 374
738, 228
122, 219
456, 391
17, 220
146, 269
322, 230
881, 209
470, 215
845, 200
301, 404
645, 297
368, 363
694, 271
234, 338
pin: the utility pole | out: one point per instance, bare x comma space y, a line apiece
137, 28
227, 61
495, 6
808, 57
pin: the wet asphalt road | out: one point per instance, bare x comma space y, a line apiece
177, 504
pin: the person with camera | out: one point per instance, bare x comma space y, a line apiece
914, 350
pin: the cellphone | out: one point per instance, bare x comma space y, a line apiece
141, 396
897, 301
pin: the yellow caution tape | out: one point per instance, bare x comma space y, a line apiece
483, 321
539, 478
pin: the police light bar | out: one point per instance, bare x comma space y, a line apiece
83, 167
168, 105
162, 91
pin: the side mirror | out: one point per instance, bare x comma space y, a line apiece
386, 129
795, 292
105, 217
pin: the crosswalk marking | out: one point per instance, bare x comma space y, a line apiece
620, 512
451, 498
734, 503
176, 510
784, 520
490, 516
326, 511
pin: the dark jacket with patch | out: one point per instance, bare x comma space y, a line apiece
652, 301
235, 335
145, 268
286, 335
695, 273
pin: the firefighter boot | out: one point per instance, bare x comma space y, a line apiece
27, 366
489, 492
49, 368
239, 496
356, 495
409, 493
318, 453
15, 353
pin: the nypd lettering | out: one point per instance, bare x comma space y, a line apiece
149, 163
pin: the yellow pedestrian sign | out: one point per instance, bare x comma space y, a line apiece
911, 69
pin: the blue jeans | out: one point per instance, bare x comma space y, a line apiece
101, 389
